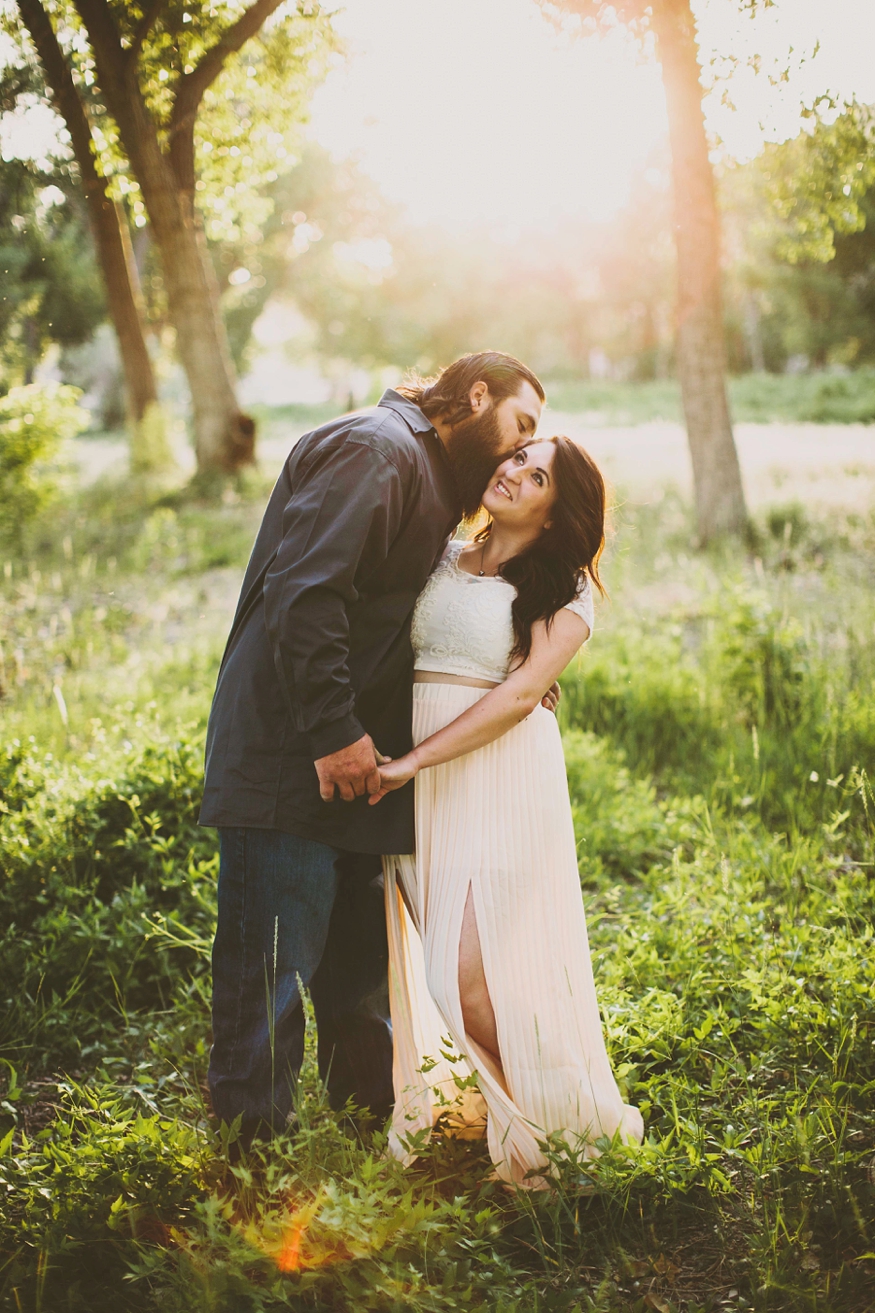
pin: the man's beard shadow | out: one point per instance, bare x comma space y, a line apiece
474, 449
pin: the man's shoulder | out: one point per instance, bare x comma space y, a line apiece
381, 428
384, 430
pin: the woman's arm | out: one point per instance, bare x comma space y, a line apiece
501, 708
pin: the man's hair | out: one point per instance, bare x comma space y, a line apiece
447, 395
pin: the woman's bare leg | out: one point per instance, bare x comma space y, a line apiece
477, 1012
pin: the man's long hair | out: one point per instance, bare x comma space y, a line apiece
446, 396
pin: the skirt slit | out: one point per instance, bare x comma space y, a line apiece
485, 1060
498, 822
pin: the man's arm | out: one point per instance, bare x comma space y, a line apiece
339, 523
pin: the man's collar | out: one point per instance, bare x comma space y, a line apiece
408, 410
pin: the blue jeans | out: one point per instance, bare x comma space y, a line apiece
291, 908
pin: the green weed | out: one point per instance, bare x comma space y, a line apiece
719, 742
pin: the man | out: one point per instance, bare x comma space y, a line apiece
315, 683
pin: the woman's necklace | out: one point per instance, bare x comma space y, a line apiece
481, 573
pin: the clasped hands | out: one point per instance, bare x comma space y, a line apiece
360, 769
357, 770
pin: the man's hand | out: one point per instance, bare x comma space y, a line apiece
550, 700
352, 770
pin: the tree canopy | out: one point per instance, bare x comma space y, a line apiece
148, 75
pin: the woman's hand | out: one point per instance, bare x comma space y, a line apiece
550, 700
393, 775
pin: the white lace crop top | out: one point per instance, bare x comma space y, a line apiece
462, 623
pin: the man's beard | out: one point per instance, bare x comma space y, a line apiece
474, 448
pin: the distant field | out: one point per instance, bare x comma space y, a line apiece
754, 399
806, 439
823, 465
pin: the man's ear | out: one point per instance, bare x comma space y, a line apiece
478, 396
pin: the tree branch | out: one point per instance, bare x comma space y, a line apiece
144, 27
109, 54
118, 79
63, 89
191, 87
600, 12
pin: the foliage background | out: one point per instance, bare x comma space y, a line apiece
720, 741
719, 754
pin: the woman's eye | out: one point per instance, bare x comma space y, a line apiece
520, 457
539, 480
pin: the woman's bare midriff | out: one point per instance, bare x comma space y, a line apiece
435, 677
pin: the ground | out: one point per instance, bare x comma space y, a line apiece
720, 740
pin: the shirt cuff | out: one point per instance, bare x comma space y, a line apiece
337, 734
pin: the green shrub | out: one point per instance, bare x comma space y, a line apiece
107, 895
645, 693
761, 666
719, 738
34, 420
82, 1198
622, 828
739, 703
191, 542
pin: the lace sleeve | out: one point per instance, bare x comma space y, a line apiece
452, 550
582, 606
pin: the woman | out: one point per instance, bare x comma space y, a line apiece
487, 934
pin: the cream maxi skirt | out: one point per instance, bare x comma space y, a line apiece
498, 822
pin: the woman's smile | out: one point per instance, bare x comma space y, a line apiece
524, 480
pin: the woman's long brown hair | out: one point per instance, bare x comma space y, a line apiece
548, 575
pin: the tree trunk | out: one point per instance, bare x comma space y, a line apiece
108, 226
224, 438
720, 506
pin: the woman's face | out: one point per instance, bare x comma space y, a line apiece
521, 493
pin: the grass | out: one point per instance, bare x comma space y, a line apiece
753, 398
720, 740
276, 420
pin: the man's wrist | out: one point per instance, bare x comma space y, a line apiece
334, 736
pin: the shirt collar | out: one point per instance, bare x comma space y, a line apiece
408, 410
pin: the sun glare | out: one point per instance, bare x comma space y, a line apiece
481, 112
475, 112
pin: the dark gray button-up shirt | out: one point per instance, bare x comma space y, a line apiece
319, 651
